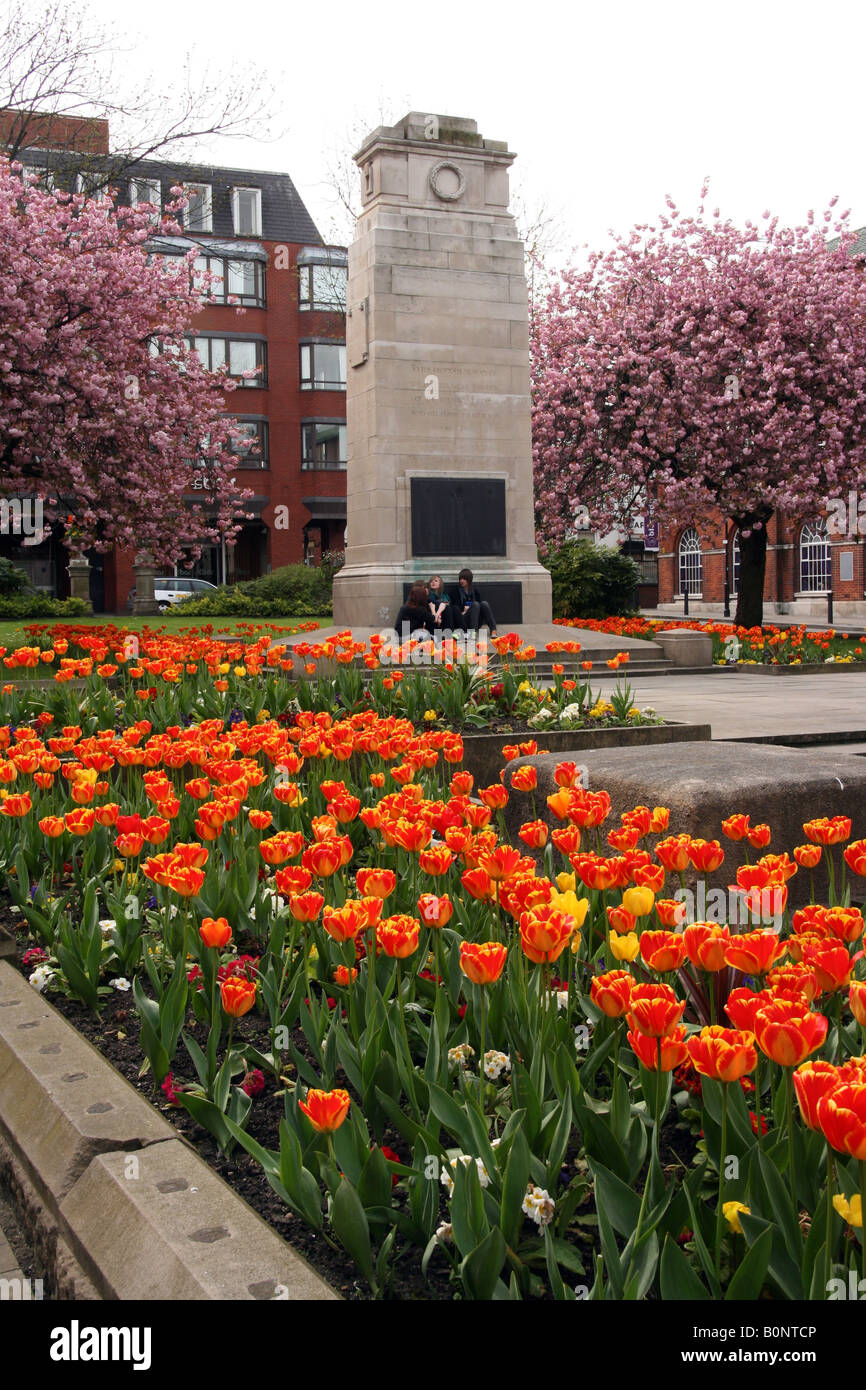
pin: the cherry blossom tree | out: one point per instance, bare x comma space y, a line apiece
706, 369
104, 411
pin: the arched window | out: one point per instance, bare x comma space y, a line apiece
691, 564
814, 558
735, 563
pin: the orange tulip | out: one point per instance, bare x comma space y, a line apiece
759, 836
435, 861
18, 805
842, 923
325, 1110
502, 863
129, 845
706, 943
461, 784
672, 1047
662, 950
260, 820
478, 884
323, 858
724, 1054
670, 911
293, 879
182, 880
107, 814
706, 855
344, 975
828, 830
567, 839
278, 848
482, 962
654, 1010
344, 923
611, 992
842, 1117
305, 907
830, 962
435, 911
787, 1032
813, 1080
494, 797
809, 856
534, 833
736, 827
754, 952
793, 981
79, 822
52, 826
566, 774
855, 856
238, 995
743, 1004
673, 853
524, 779
857, 1001
544, 934
215, 931
398, 936
621, 919
376, 883
412, 835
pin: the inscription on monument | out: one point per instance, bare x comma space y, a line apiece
458, 516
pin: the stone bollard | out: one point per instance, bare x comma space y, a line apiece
144, 602
685, 647
78, 569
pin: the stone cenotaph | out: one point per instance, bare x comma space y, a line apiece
438, 409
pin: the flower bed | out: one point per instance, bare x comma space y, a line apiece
766, 646
443, 1055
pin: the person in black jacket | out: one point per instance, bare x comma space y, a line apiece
414, 613
470, 610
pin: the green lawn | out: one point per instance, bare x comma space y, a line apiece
12, 633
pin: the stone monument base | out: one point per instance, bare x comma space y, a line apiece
370, 595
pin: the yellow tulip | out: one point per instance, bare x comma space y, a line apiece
852, 1211
564, 882
731, 1212
623, 947
638, 901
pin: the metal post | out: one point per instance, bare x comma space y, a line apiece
726, 613
685, 598
830, 593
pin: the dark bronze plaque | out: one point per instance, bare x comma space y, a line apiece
458, 516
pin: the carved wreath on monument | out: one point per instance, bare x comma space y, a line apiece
439, 187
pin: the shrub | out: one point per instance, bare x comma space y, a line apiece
591, 581
294, 591
12, 579
42, 606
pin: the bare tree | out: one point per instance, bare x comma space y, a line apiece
56, 63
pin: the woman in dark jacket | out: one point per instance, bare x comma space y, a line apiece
415, 613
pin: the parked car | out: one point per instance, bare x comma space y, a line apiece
169, 590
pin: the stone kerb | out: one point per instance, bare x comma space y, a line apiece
703, 784
685, 647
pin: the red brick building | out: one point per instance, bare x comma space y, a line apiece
807, 559
252, 231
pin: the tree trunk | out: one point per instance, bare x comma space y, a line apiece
753, 565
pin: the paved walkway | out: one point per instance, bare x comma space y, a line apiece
740, 705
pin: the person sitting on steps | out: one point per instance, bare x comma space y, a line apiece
470, 610
439, 605
414, 614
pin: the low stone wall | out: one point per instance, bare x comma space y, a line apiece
703, 784
115, 1202
482, 753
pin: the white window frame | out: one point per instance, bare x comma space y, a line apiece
139, 187
310, 382
207, 190
257, 219
814, 539
736, 558
690, 546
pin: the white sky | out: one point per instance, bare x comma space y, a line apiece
609, 107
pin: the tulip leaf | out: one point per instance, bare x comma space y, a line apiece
679, 1282
349, 1223
449, 1113
557, 1287
481, 1267
610, 1253
374, 1185
559, 1143
642, 1268
782, 1269
468, 1217
621, 1205
773, 1202
526, 1098
748, 1281
514, 1187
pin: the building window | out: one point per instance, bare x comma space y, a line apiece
252, 450
322, 287
247, 211
146, 191
691, 563
240, 355
198, 214
323, 366
323, 444
735, 563
815, 559
242, 282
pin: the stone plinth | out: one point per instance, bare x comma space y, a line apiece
78, 569
704, 783
684, 647
144, 603
438, 407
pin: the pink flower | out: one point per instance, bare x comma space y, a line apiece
170, 1091
253, 1083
